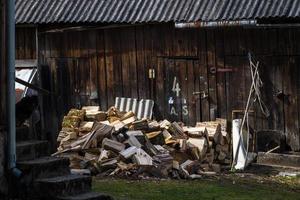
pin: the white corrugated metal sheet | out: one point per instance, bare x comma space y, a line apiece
143, 108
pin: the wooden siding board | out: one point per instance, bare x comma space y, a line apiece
203, 76
290, 73
102, 78
92, 56
211, 68
221, 77
142, 76
277, 113
160, 98
110, 68
191, 102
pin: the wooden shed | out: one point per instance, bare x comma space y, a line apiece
190, 57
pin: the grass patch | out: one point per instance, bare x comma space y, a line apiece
193, 190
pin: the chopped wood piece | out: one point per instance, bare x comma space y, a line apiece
200, 144
142, 158
165, 124
164, 163
138, 135
109, 164
154, 125
118, 125
160, 149
103, 155
112, 145
129, 120
207, 173
132, 141
176, 130
140, 125
150, 148
90, 108
156, 137
71, 122
218, 137
182, 144
89, 156
127, 116
98, 116
86, 126
167, 135
183, 167
129, 152
176, 164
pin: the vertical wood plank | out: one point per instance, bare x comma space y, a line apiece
221, 77
290, 73
160, 89
142, 77
203, 76
191, 100
101, 62
212, 70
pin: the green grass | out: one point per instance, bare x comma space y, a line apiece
194, 190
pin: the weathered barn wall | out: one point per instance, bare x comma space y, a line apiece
3, 185
95, 66
25, 43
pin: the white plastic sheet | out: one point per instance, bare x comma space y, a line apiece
239, 150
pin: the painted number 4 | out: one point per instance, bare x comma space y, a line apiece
176, 87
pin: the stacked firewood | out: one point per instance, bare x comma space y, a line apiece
119, 144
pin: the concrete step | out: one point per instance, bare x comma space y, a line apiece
29, 150
62, 186
22, 133
44, 167
270, 169
87, 196
288, 160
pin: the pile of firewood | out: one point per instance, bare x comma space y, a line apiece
116, 143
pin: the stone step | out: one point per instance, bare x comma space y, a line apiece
29, 150
288, 160
44, 167
87, 196
22, 133
62, 186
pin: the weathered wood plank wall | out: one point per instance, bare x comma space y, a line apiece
25, 43
95, 66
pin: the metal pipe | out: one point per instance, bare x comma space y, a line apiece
11, 95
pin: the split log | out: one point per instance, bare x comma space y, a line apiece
86, 126
132, 141
115, 146
176, 130
200, 144
141, 158
129, 152
137, 134
156, 137
103, 155
140, 125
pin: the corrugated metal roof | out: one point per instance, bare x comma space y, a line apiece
141, 11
